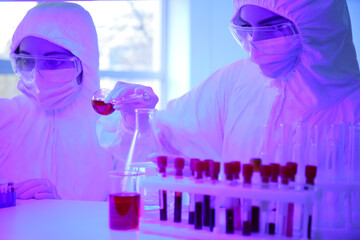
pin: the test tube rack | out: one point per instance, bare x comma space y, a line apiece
221, 191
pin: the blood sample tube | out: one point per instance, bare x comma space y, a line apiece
275, 171
255, 209
237, 201
293, 171
191, 219
285, 222
293, 209
198, 169
206, 204
256, 177
162, 162
179, 165
310, 174
265, 171
229, 202
247, 174
214, 173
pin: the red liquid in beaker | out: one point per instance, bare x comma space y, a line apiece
102, 108
124, 210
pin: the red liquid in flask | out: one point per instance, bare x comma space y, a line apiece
102, 108
124, 210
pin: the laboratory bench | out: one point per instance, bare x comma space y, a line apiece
62, 219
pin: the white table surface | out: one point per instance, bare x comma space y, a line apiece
62, 219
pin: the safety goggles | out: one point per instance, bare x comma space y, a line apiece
26, 63
247, 36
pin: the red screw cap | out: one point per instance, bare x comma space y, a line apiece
256, 162
275, 171
199, 168
236, 169
265, 171
162, 162
214, 170
293, 170
229, 170
247, 172
179, 165
192, 164
285, 173
207, 163
310, 174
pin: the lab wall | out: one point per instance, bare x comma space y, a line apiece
199, 41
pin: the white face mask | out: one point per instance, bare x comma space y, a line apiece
50, 89
276, 57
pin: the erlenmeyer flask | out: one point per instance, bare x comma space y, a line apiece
144, 145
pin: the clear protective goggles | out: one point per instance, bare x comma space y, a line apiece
27, 63
247, 36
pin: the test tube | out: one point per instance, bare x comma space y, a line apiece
247, 174
256, 177
214, 172
310, 174
237, 201
255, 208
206, 205
265, 171
229, 174
293, 171
162, 162
293, 210
191, 219
275, 171
283, 220
198, 168
179, 165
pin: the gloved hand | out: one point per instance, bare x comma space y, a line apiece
123, 91
39, 188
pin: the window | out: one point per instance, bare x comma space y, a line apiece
130, 35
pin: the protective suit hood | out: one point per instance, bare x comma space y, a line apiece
61, 144
69, 26
328, 64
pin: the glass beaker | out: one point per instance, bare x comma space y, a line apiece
124, 200
99, 105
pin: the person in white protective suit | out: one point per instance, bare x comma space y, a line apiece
302, 67
48, 142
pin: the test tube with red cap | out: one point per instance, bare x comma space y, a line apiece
198, 169
214, 174
206, 204
246, 217
310, 174
265, 171
179, 165
275, 172
229, 202
191, 219
255, 208
162, 163
285, 222
293, 171
237, 201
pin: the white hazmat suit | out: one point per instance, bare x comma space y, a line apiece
59, 144
223, 117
